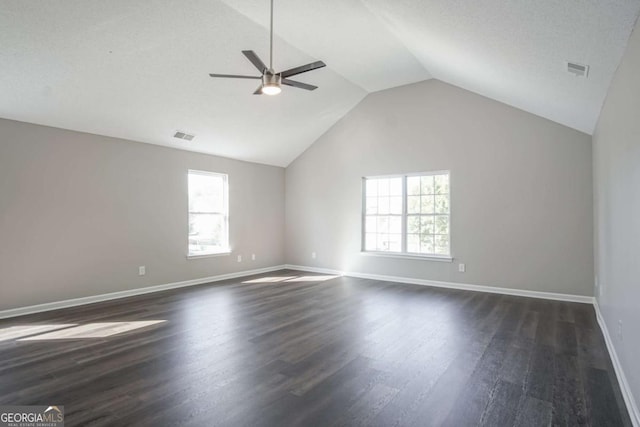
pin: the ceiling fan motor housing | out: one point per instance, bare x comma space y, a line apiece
270, 79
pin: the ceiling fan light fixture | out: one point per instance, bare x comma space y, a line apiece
271, 89
271, 84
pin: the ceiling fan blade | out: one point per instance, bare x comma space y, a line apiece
234, 76
255, 60
298, 84
258, 91
302, 69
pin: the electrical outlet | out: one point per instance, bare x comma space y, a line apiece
253, 257
462, 268
239, 258
142, 270
313, 255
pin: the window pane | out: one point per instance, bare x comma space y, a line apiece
442, 184
383, 205
427, 244
413, 204
395, 225
206, 193
383, 242
442, 245
427, 204
395, 187
427, 225
426, 183
383, 187
395, 242
371, 187
372, 205
383, 224
370, 224
395, 205
442, 224
370, 241
206, 233
413, 243
413, 224
413, 185
442, 204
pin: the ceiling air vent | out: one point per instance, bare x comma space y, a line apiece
578, 69
184, 135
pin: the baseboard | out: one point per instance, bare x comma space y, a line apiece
629, 400
450, 285
21, 311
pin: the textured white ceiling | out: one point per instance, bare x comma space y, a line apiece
139, 69
516, 51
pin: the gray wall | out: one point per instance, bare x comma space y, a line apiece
617, 211
521, 189
79, 213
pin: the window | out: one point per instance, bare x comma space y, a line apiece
208, 213
407, 214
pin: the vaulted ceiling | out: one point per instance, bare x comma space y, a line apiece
139, 69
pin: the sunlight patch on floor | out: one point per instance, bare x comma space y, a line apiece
13, 332
270, 279
278, 279
312, 278
93, 330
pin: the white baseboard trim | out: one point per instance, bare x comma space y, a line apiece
450, 285
56, 305
629, 400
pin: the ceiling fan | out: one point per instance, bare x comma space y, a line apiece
272, 81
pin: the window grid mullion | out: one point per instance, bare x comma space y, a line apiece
363, 240
403, 238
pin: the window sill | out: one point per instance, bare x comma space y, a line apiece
438, 258
211, 255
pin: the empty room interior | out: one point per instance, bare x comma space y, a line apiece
320, 213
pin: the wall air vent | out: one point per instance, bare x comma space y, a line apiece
578, 69
184, 135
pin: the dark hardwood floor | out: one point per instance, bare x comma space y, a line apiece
343, 351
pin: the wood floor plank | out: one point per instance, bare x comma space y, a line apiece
568, 392
534, 413
602, 407
503, 405
541, 373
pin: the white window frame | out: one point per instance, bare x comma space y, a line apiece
225, 250
403, 253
